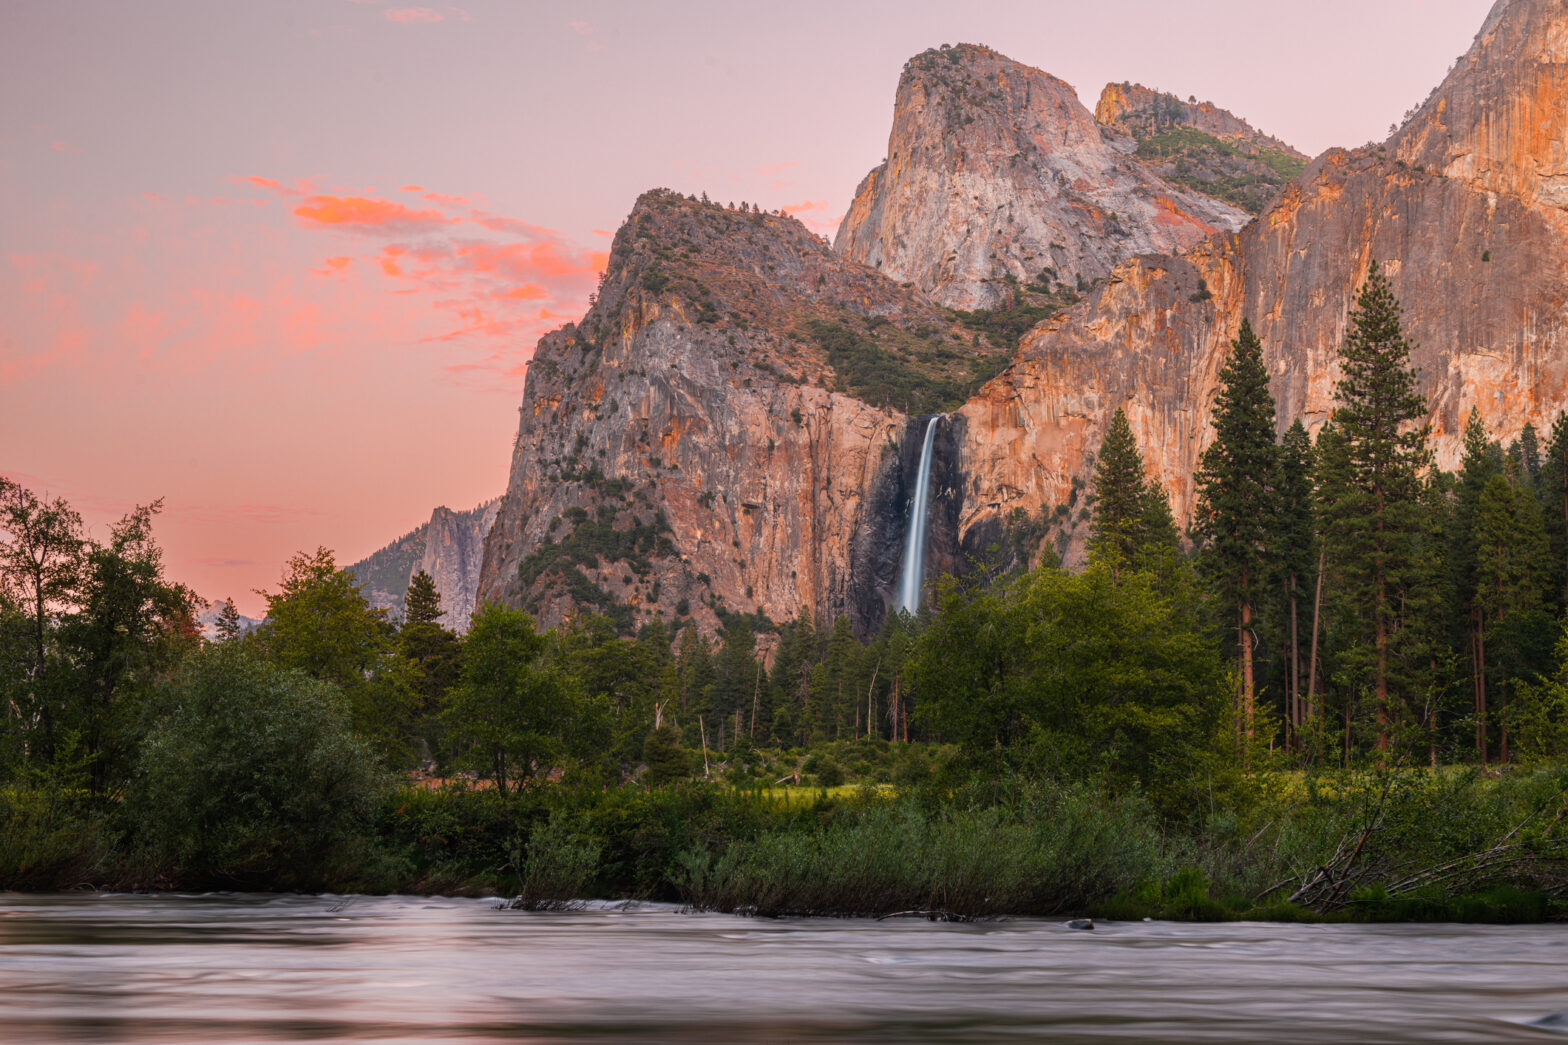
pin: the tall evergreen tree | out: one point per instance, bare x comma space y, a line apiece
1375, 520
1511, 572
1482, 462
1552, 484
1132, 527
1295, 555
227, 626
1236, 503
422, 603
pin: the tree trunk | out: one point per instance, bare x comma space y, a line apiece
1312, 660
1480, 707
1295, 667
1247, 694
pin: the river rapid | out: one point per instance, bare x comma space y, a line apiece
267, 969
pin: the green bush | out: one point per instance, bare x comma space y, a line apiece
251, 774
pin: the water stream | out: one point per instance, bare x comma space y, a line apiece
235, 968
912, 575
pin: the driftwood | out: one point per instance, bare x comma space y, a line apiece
1328, 887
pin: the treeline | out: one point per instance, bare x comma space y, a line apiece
1370, 600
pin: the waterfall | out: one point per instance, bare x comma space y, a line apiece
908, 597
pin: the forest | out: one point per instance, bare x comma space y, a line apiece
1343, 693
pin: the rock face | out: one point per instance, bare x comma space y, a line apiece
1199, 145
1463, 213
995, 169
449, 547
723, 432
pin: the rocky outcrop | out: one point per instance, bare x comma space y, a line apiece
996, 170
724, 430
1462, 215
1199, 145
1499, 122
449, 547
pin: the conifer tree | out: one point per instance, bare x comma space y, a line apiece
1552, 484
1511, 574
1295, 554
1120, 498
1375, 518
1236, 487
1481, 464
422, 603
227, 626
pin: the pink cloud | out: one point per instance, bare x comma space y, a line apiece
815, 215
332, 266
580, 28
65, 147
359, 214
411, 188
412, 14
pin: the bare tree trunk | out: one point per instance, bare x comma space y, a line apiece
1247, 693
703, 730
1312, 660
1480, 710
1295, 667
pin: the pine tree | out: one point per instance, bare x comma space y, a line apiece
1375, 522
1512, 578
422, 603
1236, 493
1295, 554
227, 626
1482, 463
1120, 498
1552, 484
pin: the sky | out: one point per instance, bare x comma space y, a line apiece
283, 264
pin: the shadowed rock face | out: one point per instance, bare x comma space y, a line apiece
449, 547
687, 446
996, 169
1476, 248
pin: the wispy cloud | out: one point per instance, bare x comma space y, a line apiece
359, 214
412, 15
501, 281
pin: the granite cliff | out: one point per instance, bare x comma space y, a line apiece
724, 431
449, 547
996, 170
1464, 207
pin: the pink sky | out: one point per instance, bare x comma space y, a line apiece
282, 264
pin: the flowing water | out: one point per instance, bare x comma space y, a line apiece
911, 577
236, 968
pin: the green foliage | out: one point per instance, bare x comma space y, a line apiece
251, 775
555, 867
1372, 505
1243, 176
1050, 851
318, 622
896, 369
1132, 527
618, 534
668, 761
1076, 675
514, 714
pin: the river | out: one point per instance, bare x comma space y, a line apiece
267, 969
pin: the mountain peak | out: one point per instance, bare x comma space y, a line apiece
994, 170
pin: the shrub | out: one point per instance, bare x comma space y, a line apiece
252, 774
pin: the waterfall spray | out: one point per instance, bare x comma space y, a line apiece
910, 577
